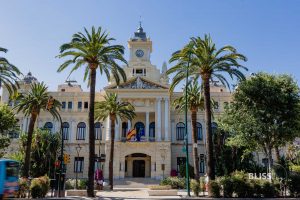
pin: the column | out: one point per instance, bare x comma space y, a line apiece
158, 119
147, 126
117, 129
107, 132
173, 132
73, 131
166, 119
128, 125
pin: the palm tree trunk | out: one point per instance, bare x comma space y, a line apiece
209, 143
90, 188
195, 145
111, 156
28, 145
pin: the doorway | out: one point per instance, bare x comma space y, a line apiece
138, 169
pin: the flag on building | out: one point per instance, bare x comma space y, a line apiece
130, 134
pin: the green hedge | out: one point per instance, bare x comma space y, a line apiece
174, 182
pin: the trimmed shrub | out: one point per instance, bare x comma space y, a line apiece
195, 186
174, 182
227, 184
215, 188
39, 187
70, 184
202, 184
294, 185
82, 184
256, 188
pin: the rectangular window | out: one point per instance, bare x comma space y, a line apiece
79, 105
70, 105
180, 161
86, 105
63, 105
202, 163
78, 164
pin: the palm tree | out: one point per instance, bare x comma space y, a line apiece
31, 104
115, 110
93, 50
207, 62
8, 73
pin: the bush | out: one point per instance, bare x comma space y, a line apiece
202, 184
294, 185
70, 184
39, 187
195, 186
268, 189
227, 184
240, 184
256, 188
174, 182
215, 188
23, 187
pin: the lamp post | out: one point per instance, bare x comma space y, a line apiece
78, 149
187, 174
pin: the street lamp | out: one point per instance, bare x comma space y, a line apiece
78, 149
187, 174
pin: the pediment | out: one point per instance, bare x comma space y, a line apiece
138, 83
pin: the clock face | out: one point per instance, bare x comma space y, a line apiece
139, 53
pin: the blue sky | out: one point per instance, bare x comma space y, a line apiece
267, 32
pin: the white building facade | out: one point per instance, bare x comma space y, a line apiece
159, 148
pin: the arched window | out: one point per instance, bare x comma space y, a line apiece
49, 126
98, 131
199, 131
65, 127
80, 135
124, 130
214, 128
140, 130
180, 126
152, 131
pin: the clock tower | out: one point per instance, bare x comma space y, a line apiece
139, 63
140, 46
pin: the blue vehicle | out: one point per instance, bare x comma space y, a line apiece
9, 176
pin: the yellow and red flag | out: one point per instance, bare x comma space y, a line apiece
130, 134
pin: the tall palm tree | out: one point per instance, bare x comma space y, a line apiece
8, 73
93, 50
31, 104
113, 109
207, 62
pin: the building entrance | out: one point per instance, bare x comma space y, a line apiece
138, 165
138, 169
